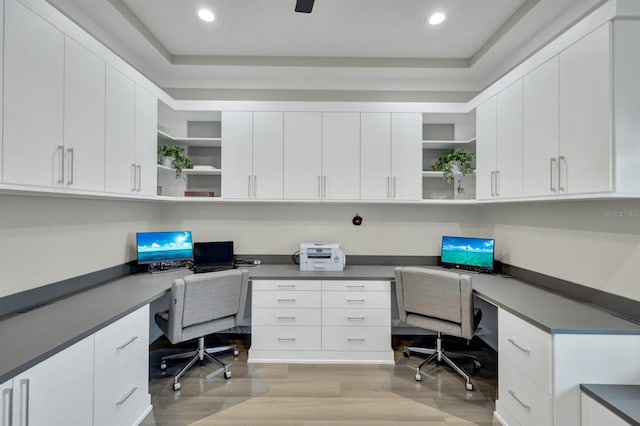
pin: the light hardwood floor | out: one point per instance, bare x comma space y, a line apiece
318, 395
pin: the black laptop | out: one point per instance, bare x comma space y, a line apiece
212, 256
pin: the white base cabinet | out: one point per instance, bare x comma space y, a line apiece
318, 321
539, 374
595, 414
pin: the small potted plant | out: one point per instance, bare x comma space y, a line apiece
173, 156
453, 162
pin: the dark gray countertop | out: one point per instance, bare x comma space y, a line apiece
31, 337
624, 400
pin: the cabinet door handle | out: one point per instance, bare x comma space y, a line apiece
24, 402
319, 184
355, 300
286, 339
388, 186
394, 188
290, 300
355, 285
139, 173
286, 286
61, 165
493, 192
522, 348
497, 183
561, 159
127, 343
356, 318
255, 186
249, 186
513, 394
133, 177
324, 187
7, 407
551, 167
71, 167
356, 339
127, 396
286, 317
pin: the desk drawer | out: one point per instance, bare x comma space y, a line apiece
356, 299
285, 316
118, 344
275, 337
124, 397
287, 285
287, 299
526, 347
356, 338
354, 317
356, 286
523, 399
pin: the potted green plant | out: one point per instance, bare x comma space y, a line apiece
172, 155
452, 162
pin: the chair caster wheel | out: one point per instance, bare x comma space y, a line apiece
236, 352
469, 386
418, 378
476, 366
406, 353
163, 365
176, 386
227, 374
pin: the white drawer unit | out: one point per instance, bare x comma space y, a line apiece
526, 347
316, 321
118, 344
522, 398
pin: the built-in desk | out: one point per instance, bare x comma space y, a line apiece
569, 342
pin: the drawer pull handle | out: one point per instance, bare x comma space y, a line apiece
24, 402
356, 318
286, 317
355, 300
127, 343
127, 396
7, 407
286, 286
286, 339
355, 339
523, 349
356, 286
293, 299
513, 394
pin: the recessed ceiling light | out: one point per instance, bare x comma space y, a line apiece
436, 18
206, 15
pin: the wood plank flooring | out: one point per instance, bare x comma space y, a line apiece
324, 395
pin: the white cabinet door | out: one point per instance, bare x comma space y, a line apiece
585, 114
267, 155
237, 148
33, 99
57, 391
509, 141
406, 156
486, 122
341, 156
540, 132
375, 155
84, 117
146, 142
302, 155
120, 167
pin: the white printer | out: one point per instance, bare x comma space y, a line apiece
321, 257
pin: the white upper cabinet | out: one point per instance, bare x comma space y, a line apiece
120, 167
84, 118
406, 156
486, 135
540, 136
375, 155
340, 156
267, 155
33, 152
585, 152
391, 156
302, 155
145, 144
509, 142
237, 154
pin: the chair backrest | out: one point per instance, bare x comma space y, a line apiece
439, 295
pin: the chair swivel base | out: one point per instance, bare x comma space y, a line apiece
198, 355
439, 355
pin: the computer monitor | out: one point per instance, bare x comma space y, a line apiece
473, 254
164, 247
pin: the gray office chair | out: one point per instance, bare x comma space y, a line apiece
203, 304
441, 301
